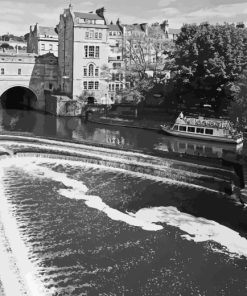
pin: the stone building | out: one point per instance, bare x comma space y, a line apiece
115, 59
25, 77
83, 55
42, 40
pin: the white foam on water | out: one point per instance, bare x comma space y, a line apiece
78, 190
197, 229
23, 280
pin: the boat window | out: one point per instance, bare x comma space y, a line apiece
175, 127
200, 130
181, 145
191, 129
182, 128
209, 131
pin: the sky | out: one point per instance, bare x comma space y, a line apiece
18, 15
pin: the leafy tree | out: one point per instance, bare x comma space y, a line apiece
208, 59
145, 58
238, 108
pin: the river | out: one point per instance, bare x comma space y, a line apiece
85, 229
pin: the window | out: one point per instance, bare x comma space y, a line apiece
121, 76
96, 85
91, 34
114, 33
97, 72
50, 85
118, 57
85, 71
97, 52
96, 35
19, 71
191, 129
85, 84
110, 33
91, 52
42, 46
109, 87
121, 86
86, 51
50, 47
113, 87
208, 131
200, 130
113, 76
2, 71
116, 65
117, 76
100, 35
87, 35
182, 128
175, 127
90, 70
117, 87
90, 85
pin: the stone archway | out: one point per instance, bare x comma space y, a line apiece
18, 97
91, 100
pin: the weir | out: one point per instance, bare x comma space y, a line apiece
210, 176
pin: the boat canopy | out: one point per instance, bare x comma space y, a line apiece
204, 122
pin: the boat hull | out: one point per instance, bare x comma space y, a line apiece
170, 132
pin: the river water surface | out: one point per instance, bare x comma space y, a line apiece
84, 229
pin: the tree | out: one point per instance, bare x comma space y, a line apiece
207, 60
145, 56
238, 107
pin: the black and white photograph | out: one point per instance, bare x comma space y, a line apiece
123, 148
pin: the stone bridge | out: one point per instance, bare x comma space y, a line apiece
25, 77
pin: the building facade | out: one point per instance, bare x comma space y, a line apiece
42, 40
93, 55
83, 55
29, 72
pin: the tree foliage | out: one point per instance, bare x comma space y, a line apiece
208, 60
145, 58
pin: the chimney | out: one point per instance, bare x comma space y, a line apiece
164, 26
100, 12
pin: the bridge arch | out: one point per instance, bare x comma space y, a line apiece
18, 97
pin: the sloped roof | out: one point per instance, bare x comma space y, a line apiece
89, 16
113, 27
47, 31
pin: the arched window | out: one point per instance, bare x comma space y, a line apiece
91, 70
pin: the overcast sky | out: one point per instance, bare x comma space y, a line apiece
18, 15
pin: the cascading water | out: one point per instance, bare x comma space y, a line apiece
78, 227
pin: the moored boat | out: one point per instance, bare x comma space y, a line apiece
211, 129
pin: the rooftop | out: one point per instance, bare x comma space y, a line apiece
47, 31
88, 16
113, 27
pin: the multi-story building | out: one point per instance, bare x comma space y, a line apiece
83, 55
92, 53
42, 40
115, 59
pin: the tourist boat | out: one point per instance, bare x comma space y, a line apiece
202, 128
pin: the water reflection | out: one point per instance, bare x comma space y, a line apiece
128, 138
200, 148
